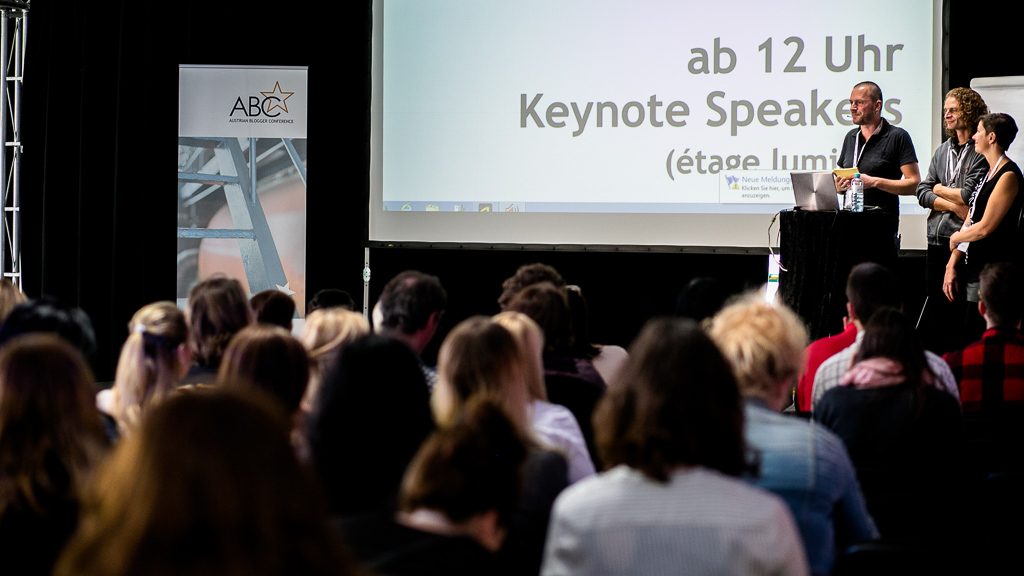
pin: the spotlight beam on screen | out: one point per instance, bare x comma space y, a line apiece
645, 123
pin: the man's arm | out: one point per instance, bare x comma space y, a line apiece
905, 186
925, 190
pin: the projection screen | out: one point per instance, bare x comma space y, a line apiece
583, 122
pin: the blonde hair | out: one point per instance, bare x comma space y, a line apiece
10, 296
763, 341
530, 340
481, 358
327, 331
149, 366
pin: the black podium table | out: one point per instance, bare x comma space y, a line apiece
818, 249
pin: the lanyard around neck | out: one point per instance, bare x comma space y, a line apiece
857, 150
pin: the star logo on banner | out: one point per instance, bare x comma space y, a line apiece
280, 95
288, 291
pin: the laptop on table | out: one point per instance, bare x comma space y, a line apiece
815, 191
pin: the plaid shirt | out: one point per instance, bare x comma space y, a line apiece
990, 370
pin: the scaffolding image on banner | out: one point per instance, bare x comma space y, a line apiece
242, 178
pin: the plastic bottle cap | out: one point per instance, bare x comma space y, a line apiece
856, 175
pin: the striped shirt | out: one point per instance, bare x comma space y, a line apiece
699, 522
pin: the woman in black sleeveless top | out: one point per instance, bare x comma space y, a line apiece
991, 229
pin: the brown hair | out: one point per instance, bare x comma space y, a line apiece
150, 364
208, 485
217, 309
10, 296
468, 468
51, 435
675, 403
972, 107
546, 304
480, 358
267, 357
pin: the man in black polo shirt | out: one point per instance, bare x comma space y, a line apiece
883, 153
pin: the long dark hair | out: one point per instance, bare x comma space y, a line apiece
675, 403
369, 419
890, 334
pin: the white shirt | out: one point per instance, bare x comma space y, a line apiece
557, 428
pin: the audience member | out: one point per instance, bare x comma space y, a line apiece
370, 417
900, 430
701, 299
456, 501
554, 425
47, 315
269, 358
409, 310
273, 307
330, 298
154, 359
803, 463
991, 370
869, 288
51, 438
326, 332
571, 382
991, 376
217, 309
209, 484
480, 358
10, 296
527, 275
606, 358
672, 428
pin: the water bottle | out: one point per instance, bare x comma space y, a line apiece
857, 194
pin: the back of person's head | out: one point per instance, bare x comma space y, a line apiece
48, 315
1002, 125
330, 298
530, 340
546, 305
579, 318
375, 385
469, 468
871, 286
269, 358
217, 309
480, 358
209, 484
273, 307
153, 359
51, 434
408, 301
763, 341
675, 403
1001, 290
326, 332
890, 334
10, 296
972, 107
701, 298
526, 275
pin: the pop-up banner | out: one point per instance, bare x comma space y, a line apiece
242, 177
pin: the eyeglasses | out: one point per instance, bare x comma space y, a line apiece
859, 103
950, 111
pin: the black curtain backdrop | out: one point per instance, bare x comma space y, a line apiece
99, 124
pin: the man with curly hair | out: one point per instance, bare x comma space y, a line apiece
955, 171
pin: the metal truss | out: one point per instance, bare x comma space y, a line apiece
13, 28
